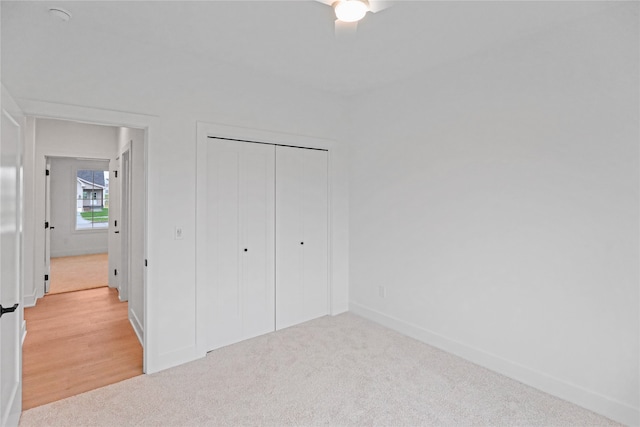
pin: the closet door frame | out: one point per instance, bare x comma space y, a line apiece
207, 133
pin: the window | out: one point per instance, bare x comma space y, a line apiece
92, 208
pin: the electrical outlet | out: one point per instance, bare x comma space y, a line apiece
179, 234
382, 291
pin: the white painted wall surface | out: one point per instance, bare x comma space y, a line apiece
497, 201
65, 239
55, 138
190, 94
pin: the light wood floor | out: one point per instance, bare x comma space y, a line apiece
75, 273
76, 342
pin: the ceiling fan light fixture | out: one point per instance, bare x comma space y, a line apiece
350, 10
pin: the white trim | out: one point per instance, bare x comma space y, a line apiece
205, 130
82, 231
588, 399
23, 333
74, 190
339, 308
137, 327
96, 116
29, 300
173, 358
10, 117
81, 251
12, 419
152, 361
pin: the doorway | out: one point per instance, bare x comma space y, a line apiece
77, 202
96, 211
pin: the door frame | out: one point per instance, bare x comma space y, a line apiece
70, 211
125, 222
338, 250
47, 229
149, 124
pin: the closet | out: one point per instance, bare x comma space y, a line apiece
262, 239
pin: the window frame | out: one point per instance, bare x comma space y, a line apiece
90, 194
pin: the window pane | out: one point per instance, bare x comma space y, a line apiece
92, 209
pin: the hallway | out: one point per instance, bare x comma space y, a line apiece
80, 272
76, 342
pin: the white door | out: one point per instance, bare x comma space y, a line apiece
47, 225
114, 222
301, 235
10, 279
235, 242
125, 226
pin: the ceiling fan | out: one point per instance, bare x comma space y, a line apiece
349, 12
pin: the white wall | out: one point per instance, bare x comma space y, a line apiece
178, 96
474, 185
65, 239
55, 138
496, 199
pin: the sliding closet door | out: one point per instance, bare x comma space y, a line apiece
301, 235
236, 292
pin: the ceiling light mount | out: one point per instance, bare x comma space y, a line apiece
350, 10
62, 14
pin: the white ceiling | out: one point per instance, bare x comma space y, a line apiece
293, 40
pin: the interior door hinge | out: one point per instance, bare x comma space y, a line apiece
145, 262
115, 174
46, 172
46, 277
115, 272
46, 225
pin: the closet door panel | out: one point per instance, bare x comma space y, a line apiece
315, 233
258, 192
289, 230
223, 238
240, 203
301, 235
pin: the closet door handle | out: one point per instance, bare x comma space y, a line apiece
117, 232
4, 310
245, 249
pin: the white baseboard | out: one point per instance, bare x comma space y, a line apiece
159, 362
339, 308
23, 332
29, 300
137, 326
78, 252
588, 399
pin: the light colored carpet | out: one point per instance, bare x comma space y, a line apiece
341, 370
76, 273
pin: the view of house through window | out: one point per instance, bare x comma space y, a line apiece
92, 207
